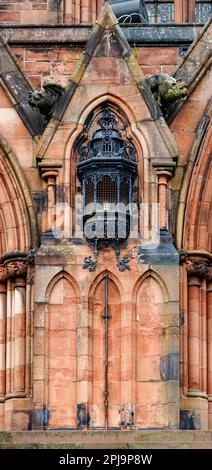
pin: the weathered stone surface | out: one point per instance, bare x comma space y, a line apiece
169, 367
164, 253
79, 34
64, 306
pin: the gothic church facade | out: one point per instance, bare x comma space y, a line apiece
105, 332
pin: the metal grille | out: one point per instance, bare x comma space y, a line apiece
160, 12
124, 191
203, 11
106, 192
89, 192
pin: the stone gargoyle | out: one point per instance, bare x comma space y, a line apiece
167, 90
44, 99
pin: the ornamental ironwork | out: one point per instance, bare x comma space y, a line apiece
107, 142
106, 170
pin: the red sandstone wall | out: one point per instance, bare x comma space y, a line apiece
30, 11
56, 64
49, 11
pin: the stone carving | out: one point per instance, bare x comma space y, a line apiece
3, 275
15, 268
126, 415
199, 267
166, 90
44, 99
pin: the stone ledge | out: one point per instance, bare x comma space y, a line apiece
106, 439
136, 35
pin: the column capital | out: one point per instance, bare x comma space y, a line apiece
164, 167
49, 168
3, 275
15, 267
200, 267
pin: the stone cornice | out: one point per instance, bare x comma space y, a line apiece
154, 34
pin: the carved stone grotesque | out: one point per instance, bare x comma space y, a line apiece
166, 90
44, 99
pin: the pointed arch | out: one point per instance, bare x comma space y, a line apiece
99, 277
149, 297
197, 229
18, 221
56, 278
132, 133
150, 273
105, 350
61, 325
194, 206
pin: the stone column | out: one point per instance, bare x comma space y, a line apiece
203, 338
163, 178
49, 171
16, 334
9, 337
164, 172
194, 333
19, 334
209, 352
50, 177
3, 314
196, 403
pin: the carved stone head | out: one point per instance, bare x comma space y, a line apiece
44, 99
172, 90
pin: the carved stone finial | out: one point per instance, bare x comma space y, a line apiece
199, 267
166, 90
44, 99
